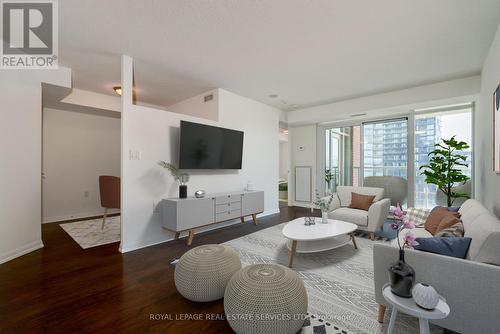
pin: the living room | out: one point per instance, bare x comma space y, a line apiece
278, 168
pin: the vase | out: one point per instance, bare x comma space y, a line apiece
402, 277
324, 217
183, 191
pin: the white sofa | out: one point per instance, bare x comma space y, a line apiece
369, 220
470, 286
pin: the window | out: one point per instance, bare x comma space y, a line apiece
429, 129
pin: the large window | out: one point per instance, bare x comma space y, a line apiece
355, 154
429, 130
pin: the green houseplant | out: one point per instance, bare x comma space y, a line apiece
443, 168
328, 178
182, 178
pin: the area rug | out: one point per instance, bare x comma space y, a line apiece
339, 282
88, 233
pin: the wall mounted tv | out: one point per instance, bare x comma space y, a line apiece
209, 147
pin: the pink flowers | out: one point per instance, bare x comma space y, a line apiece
398, 213
409, 240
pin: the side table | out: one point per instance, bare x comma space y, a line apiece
408, 306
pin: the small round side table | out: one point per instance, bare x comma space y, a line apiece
408, 306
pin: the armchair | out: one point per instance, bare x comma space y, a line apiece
369, 220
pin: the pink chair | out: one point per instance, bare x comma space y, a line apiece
109, 189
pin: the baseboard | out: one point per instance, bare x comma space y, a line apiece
77, 216
21, 251
139, 245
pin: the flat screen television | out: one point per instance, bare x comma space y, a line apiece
209, 147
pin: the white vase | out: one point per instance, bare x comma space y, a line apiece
425, 296
324, 217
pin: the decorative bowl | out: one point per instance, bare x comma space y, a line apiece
425, 296
199, 194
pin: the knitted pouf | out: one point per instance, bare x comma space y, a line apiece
265, 298
202, 273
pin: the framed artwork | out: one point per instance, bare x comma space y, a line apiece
496, 130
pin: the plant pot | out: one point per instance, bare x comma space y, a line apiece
324, 217
183, 191
402, 277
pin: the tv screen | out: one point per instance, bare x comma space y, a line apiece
209, 147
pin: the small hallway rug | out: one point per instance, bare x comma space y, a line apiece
339, 282
88, 233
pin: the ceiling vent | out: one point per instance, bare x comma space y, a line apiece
208, 98
358, 115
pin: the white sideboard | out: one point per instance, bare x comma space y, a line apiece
187, 214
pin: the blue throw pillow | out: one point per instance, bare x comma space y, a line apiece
449, 246
451, 208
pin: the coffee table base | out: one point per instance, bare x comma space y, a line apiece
304, 246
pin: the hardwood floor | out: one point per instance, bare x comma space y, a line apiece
64, 289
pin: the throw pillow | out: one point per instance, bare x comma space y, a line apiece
451, 208
456, 230
447, 221
435, 217
449, 246
362, 202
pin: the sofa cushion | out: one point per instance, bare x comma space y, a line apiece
484, 229
355, 216
456, 230
418, 232
449, 246
417, 216
344, 193
435, 218
447, 222
362, 202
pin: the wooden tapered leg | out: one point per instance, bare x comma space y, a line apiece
381, 313
254, 218
242, 219
372, 236
353, 238
104, 217
292, 253
190, 237
176, 236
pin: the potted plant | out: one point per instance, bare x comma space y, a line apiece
182, 178
443, 168
323, 205
401, 274
283, 190
328, 179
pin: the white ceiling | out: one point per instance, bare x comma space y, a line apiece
308, 52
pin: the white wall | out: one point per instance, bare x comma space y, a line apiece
155, 134
20, 139
284, 162
192, 105
303, 149
77, 148
487, 181
400, 101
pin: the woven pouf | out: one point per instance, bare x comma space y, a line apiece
202, 273
265, 298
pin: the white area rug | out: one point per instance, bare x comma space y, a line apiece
88, 233
339, 282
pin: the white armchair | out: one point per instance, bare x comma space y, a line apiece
369, 220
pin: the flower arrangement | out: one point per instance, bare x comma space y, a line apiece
321, 203
401, 223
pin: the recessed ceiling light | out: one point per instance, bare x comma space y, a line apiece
294, 106
273, 96
118, 90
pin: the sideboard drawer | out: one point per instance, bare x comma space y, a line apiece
227, 199
227, 215
220, 208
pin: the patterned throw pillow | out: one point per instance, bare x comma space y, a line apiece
417, 216
456, 230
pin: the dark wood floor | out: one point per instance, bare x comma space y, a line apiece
64, 289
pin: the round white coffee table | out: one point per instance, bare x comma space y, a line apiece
318, 237
408, 306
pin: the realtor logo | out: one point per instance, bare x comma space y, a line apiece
29, 34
